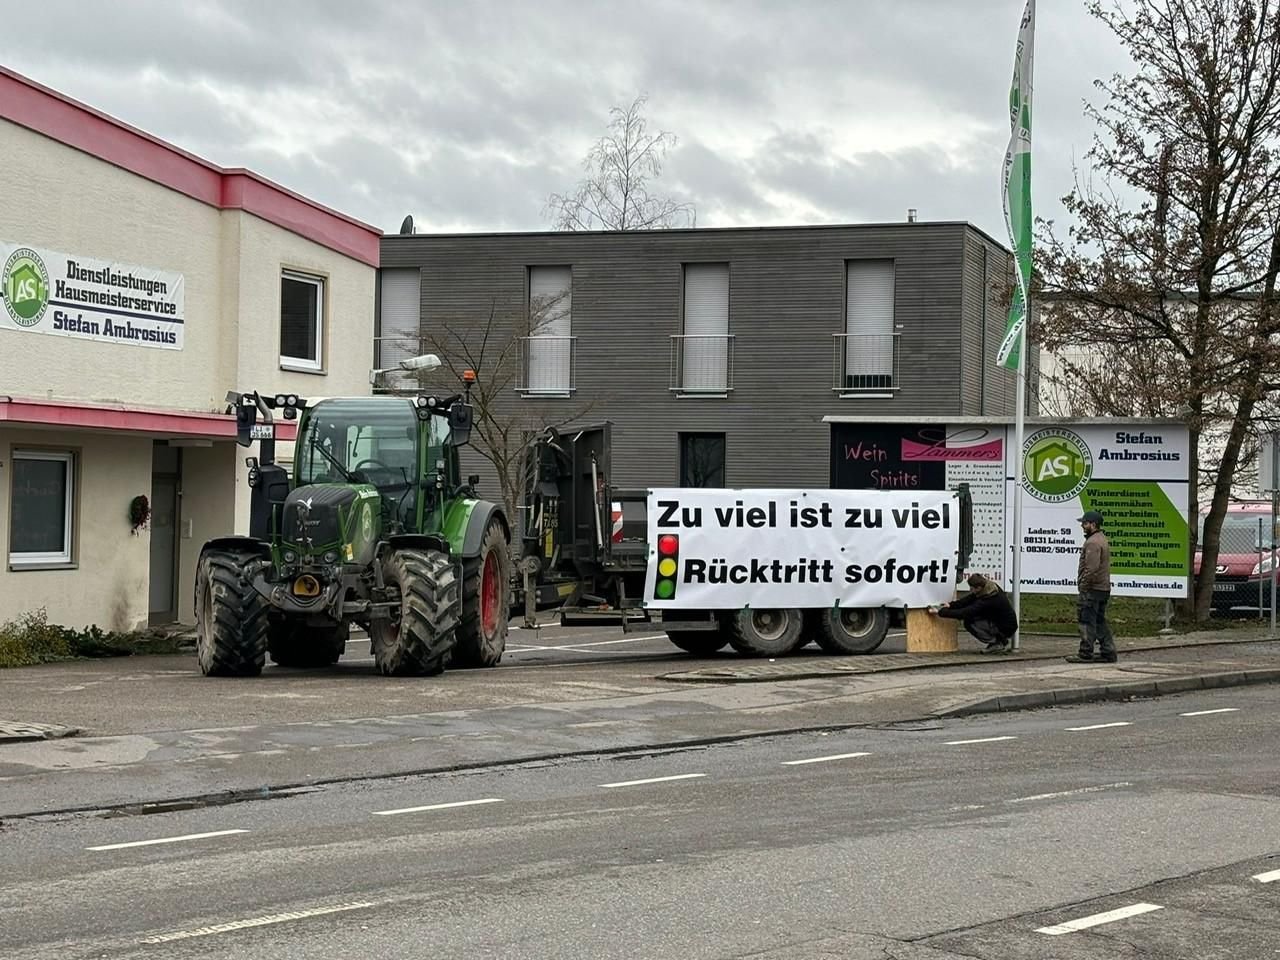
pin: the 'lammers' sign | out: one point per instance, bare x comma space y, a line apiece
44, 291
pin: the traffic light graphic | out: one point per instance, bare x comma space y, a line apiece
668, 563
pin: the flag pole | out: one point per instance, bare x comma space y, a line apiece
1018, 221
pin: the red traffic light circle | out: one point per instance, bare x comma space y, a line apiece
668, 543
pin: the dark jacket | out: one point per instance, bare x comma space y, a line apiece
994, 606
1095, 563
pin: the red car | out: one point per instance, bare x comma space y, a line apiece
1246, 554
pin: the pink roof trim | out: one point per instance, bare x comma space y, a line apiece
54, 115
174, 423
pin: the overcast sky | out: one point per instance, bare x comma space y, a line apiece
468, 114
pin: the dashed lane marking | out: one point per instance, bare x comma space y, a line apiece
1270, 877
636, 783
182, 839
1102, 726
1205, 713
957, 743
257, 922
1069, 793
436, 806
1098, 919
836, 756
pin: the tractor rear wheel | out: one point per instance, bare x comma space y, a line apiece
231, 617
852, 629
486, 602
297, 645
766, 633
419, 637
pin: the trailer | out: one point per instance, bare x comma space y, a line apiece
585, 552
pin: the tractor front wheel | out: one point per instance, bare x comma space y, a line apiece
486, 602
231, 618
420, 636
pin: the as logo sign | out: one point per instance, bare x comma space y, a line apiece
1056, 465
25, 285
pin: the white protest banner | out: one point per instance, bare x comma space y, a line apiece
45, 291
718, 549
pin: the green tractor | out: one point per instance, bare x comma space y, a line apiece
375, 528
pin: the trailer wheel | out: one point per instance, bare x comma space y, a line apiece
486, 603
766, 632
293, 644
420, 636
700, 643
848, 630
231, 618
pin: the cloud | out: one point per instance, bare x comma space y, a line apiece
469, 115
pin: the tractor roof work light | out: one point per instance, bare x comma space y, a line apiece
664, 587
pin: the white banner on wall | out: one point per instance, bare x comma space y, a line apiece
724, 549
44, 291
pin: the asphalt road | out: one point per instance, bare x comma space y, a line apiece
1148, 829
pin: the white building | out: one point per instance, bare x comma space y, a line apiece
140, 284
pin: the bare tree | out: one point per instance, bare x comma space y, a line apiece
1168, 273
614, 194
496, 347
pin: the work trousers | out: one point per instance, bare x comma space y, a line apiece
986, 631
1094, 629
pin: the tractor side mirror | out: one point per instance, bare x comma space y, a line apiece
473, 480
246, 417
461, 416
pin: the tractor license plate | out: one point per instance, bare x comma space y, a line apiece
1223, 587
262, 431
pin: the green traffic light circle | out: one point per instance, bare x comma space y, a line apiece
665, 589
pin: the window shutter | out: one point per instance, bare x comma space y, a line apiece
551, 324
869, 323
400, 320
706, 327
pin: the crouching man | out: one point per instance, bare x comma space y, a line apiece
985, 612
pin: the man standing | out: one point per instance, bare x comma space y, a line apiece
1094, 584
985, 612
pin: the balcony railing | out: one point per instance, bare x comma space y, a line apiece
865, 364
702, 364
548, 366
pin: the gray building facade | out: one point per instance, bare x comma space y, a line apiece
716, 353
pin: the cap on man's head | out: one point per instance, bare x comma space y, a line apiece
1092, 516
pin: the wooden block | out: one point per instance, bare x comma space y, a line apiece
930, 634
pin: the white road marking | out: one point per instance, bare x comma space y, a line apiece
256, 922
1111, 916
1069, 793
1271, 877
956, 743
573, 647
1102, 726
636, 783
835, 756
1205, 713
150, 843
436, 806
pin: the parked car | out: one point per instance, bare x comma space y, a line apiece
1247, 552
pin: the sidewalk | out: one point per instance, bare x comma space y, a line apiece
578, 717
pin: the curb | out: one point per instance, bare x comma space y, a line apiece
962, 659
1112, 691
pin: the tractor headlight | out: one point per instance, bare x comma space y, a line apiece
290, 557
330, 557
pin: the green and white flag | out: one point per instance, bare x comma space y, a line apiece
1017, 188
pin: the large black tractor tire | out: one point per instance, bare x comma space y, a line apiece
852, 630
486, 602
231, 617
766, 633
700, 643
419, 638
297, 645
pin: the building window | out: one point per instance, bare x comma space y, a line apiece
399, 327
866, 354
702, 460
549, 350
42, 492
703, 360
301, 321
